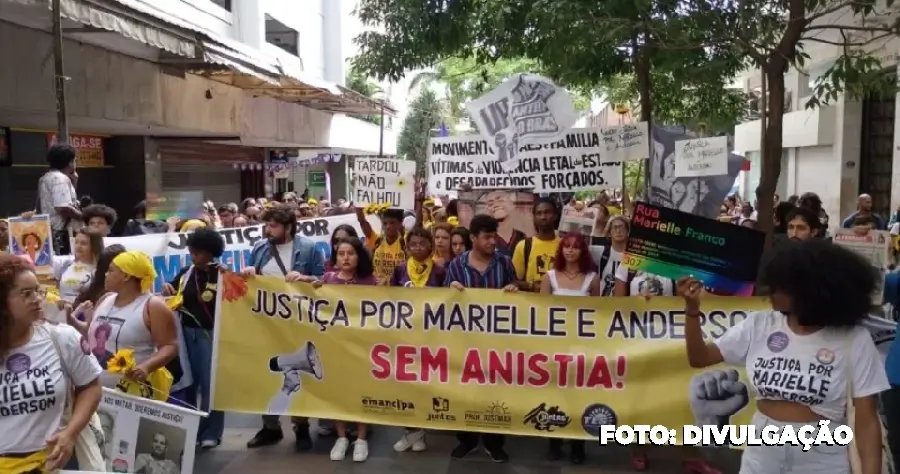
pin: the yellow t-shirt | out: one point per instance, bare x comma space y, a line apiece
540, 260
385, 257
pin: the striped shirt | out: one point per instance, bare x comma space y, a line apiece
498, 274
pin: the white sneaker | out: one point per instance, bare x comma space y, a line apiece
339, 451
360, 450
414, 440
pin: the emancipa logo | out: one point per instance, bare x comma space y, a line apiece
545, 418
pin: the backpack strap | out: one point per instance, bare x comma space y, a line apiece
631, 275
528, 244
604, 257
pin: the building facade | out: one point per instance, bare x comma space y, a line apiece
840, 150
174, 95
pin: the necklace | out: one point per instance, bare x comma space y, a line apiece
571, 275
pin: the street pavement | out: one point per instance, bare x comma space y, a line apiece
528, 456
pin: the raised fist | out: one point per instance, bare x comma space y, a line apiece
716, 395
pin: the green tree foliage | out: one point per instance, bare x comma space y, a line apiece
720, 109
464, 79
359, 82
772, 35
425, 113
670, 47
577, 42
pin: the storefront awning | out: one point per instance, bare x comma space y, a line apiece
128, 18
330, 98
203, 52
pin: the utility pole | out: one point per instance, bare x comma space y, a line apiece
59, 77
381, 132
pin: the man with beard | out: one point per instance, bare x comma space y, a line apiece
155, 462
500, 205
295, 258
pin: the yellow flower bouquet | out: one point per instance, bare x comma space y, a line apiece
121, 362
157, 386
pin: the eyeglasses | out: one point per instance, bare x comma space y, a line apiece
31, 293
417, 245
621, 228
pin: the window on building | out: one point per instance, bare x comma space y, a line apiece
225, 4
283, 36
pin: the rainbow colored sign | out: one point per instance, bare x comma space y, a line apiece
673, 244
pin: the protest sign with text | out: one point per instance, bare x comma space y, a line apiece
875, 247
701, 157
384, 181
525, 109
474, 360
674, 244
170, 254
585, 159
146, 436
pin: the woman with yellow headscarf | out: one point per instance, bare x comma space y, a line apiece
131, 318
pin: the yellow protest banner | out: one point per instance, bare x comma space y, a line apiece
474, 360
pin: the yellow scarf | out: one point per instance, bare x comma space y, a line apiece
419, 272
35, 461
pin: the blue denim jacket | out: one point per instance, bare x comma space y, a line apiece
308, 260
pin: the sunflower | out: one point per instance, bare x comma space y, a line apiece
401, 182
453, 220
121, 362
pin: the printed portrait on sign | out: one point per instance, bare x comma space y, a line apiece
512, 209
159, 447
105, 438
701, 196
31, 238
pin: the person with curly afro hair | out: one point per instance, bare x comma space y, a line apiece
804, 359
196, 286
99, 218
39, 354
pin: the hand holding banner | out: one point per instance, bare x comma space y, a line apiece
476, 360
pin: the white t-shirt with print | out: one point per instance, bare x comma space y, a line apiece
286, 252
56, 190
34, 386
646, 284
811, 369
607, 273
71, 276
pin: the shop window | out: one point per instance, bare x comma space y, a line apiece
283, 185
225, 4
283, 36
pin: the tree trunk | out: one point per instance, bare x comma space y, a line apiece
771, 154
642, 74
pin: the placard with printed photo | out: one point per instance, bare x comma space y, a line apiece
146, 435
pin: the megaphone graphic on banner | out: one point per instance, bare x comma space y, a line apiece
306, 360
